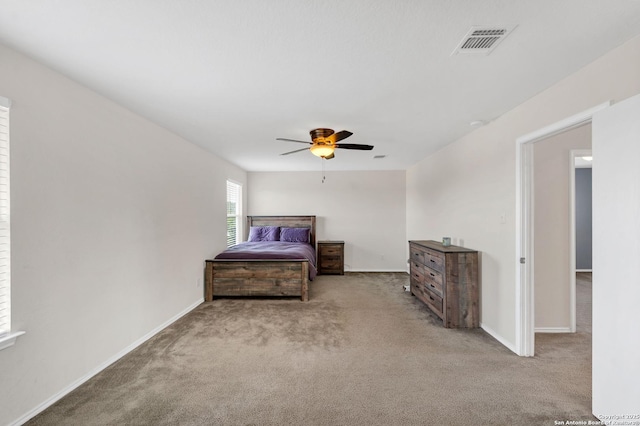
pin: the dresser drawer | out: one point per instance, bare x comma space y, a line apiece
417, 274
416, 265
416, 287
433, 280
433, 301
417, 255
434, 260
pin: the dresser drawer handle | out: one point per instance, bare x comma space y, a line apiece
432, 261
432, 274
432, 286
416, 275
432, 298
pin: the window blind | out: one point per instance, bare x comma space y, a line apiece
5, 253
234, 213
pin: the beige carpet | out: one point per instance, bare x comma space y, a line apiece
360, 352
583, 302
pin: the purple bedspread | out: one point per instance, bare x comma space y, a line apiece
272, 250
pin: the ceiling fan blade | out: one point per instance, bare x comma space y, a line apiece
293, 152
329, 157
293, 140
337, 137
354, 146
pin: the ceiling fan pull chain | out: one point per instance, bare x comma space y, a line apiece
323, 176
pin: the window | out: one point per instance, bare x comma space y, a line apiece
6, 337
234, 213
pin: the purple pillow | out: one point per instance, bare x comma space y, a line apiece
271, 233
255, 234
264, 233
294, 235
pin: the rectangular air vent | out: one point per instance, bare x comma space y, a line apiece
482, 40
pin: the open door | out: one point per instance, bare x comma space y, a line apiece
616, 261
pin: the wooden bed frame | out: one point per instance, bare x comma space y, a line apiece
260, 277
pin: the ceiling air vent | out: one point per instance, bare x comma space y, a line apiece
482, 40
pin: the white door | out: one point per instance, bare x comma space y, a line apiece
616, 261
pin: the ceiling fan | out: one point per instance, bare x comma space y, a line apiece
325, 141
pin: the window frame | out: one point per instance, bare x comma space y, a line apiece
7, 336
234, 193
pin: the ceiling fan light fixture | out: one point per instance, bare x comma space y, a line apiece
325, 141
322, 150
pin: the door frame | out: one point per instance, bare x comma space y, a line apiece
525, 332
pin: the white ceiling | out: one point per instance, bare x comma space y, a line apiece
232, 75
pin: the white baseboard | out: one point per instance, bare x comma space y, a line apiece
552, 330
584, 270
59, 395
499, 338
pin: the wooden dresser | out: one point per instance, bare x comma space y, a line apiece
446, 280
330, 257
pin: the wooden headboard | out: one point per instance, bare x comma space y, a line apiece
285, 222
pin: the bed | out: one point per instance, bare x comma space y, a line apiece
274, 268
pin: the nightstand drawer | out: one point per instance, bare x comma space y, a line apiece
329, 263
331, 250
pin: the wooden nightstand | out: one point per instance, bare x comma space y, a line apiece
331, 257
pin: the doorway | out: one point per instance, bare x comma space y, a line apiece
525, 243
553, 227
582, 236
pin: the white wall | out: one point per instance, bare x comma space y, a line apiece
552, 209
365, 209
616, 269
112, 218
464, 189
